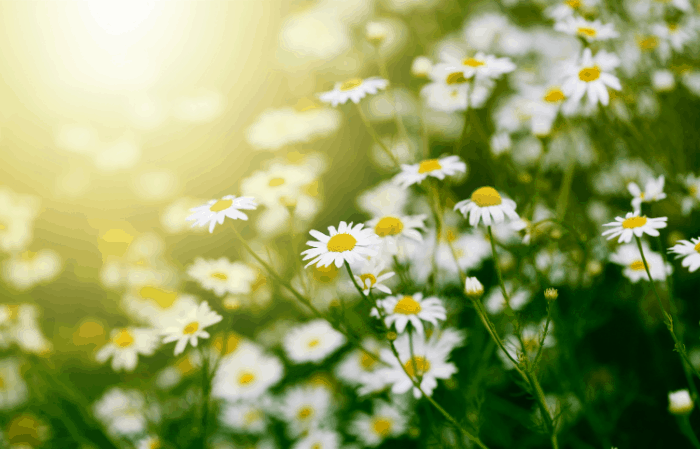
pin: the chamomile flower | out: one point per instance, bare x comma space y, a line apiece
403, 309
305, 408
568, 8
392, 230
689, 251
190, 327
369, 276
653, 191
487, 204
387, 421
692, 197
123, 412
312, 342
437, 168
246, 417
634, 225
628, 257
347, 243
480, 66
247, 374
222, 276
125, 345
353, 89
13, 389
319, 439
30, 268
589, 30
216, 210
360, 368
150, 442
590, 76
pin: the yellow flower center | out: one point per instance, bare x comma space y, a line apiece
13, 311
351, 84
155, 444
634, 222
429, 165
227, 345
672, 27
2, 384
697, 247
276, 182
325, 274
692, 190
221, 205
586, 31
471, 62
184, 365
246, 378
305, 413
191, 328
648, 42
220, 276
573, 3
313, 343
382, 426
164, 298
486, 197
252, 416
589, 74
388, 226
367, 362
407, 306
370, 276
449, 235
455, 78
637, 265
554, 95
341, 242
530, 344
417, 366
123, 339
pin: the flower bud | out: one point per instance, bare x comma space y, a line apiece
376, 32
473, 288
421, 67
551, 294
680, 402
391, 336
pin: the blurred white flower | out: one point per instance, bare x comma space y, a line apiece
312, 342
360, 368
437, 168
13, 389
215, 211
305, 408
680, 402
222, 276
28, 269
421, 66
589, 30
663, 80
628, 257
246, 374
386, 421
124, 412
125, 345
202, 106
653, 191
689, 251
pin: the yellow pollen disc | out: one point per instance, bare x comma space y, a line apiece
341, 242
2, 226
305, 412
388, 226
471, 62
455, 78
220, 276
325, 274
370, 276
191, 328
697, 247
648, 42
164, 298
276, 182
252, 416
589, 74
13, 311
221, 205
634, 222
637, 265
429, 165
2, 383
155, 444
351, 84
450, 235
590, 32
382, 426
313, 343
672, 27
422, 366
184, 365
692, 190
554, 95
407, 306
246, 378
123, 339
90, 329
573, 3
486, 197
367, 362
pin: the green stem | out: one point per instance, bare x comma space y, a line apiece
687, 430
376, 138
397, 117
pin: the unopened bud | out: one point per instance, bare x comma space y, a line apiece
391, 335
551, 294
376, 32
680, 402
473, 288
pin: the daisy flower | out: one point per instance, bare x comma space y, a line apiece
653, 191
568, 8
393, 229
312, 342
689, 251
353, 89
319, 439
487, 204
216, 210
481, 66
589, 76
13, 389
691, 199
446, 97
437, 168
123, 411
427, 364
414, 309
634, 224
386, 422
305, 408
589, 30
279, 185
190, 327
222, 276
125, 345
348, 243
31, 268
150, 442
247, 374
369, 276
359, 368
246, 417
628, 257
